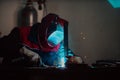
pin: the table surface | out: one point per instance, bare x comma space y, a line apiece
73, 72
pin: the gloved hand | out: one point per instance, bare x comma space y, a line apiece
31, 55
74, 60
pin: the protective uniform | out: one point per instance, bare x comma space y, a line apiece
43, 43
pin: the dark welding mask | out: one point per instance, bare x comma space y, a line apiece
56, 36
51, 32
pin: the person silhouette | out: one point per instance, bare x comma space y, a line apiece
39, 45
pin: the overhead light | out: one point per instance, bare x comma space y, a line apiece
115, 3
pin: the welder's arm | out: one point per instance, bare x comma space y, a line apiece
31, 55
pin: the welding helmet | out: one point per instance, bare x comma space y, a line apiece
51, 32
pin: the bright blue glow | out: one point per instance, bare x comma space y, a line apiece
115, 3
62, 62
59, 27
55, 38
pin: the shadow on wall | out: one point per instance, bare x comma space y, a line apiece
19, 17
